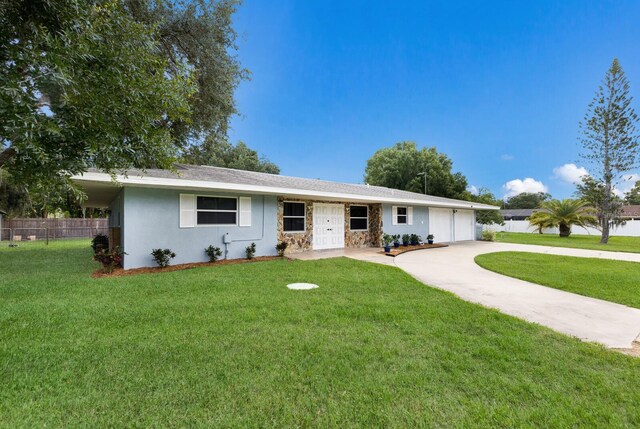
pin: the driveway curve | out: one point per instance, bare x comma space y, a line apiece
590, 319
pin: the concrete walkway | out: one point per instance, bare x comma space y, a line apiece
453, 269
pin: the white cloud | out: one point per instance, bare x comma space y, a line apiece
473, 189
570, 173
507, 157
628, 182
518, 186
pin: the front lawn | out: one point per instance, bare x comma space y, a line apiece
616, 281
230, 346
616, 244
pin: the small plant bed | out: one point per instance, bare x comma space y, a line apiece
119, 272
404, 249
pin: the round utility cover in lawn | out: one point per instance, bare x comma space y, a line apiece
301, 286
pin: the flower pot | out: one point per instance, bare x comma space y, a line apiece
396, 244
430, 241
387, 248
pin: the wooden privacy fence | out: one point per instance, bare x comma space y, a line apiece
24, 229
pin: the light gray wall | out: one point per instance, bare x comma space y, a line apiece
420, 222
153, 221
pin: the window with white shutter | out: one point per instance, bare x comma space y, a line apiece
245, 211
187, 211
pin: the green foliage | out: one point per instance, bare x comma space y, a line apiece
406, 238
223, 154
563, 214
250, 251
110, 259
84, 85
610, 140
213, 253
487, 217
399, 166
414, 239
281, 247
99, 242
197, 35
488, 235
610, 280
633, 196
162, 257
594, 192
387, 239
527, 200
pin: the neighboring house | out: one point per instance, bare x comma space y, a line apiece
631, 212
516, 214
198, 206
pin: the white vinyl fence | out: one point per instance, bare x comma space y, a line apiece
630, 229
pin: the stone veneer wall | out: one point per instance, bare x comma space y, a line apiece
302, 241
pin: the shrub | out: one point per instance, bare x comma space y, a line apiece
415, 239
213, 253
162, 256
396, 238
488, 235
406, 238
100, 243
250, 251
387, 239
281, 247
109, 259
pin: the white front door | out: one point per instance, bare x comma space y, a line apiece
328, 226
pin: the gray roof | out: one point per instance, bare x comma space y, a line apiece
241, 177
517, 212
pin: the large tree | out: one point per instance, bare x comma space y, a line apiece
487, 217
593, 192
526, 200
610, 140
223, 154
83, 84
403, 165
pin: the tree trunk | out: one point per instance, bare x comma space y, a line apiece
606, 209
565, 230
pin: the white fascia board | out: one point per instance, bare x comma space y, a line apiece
158, 182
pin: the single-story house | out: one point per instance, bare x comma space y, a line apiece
631, 212
197, 206
516, 214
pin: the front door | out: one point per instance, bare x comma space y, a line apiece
328, 226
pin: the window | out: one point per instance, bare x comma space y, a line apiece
402, 216
358, 218
293, 219
216, 210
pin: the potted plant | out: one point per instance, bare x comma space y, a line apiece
430, 238
406, 238
415, 239
386, 241
396, 240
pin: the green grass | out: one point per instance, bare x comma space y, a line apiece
230, 346
615, 281
616, 244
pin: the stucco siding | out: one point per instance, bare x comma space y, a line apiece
153, 221
420, 222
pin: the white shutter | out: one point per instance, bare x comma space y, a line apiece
245, 211
409, 215
187, 210
394, 215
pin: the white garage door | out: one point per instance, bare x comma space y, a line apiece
441, 224
328, 226
464, 225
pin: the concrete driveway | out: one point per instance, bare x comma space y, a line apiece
453, 269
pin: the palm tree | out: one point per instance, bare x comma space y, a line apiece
563, 214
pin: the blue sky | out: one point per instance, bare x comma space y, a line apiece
498, 86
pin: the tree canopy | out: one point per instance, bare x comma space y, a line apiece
487, 217
223, 154
400, 166
526, 200
633, 196
563, 214
610, 141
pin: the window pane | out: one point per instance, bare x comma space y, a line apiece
358, 224
402, 210
216, 203
216, 218
294, 209
402, 219
358, 211
293, 224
